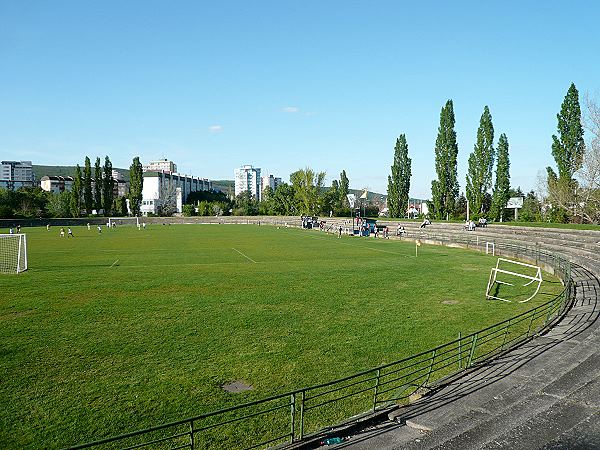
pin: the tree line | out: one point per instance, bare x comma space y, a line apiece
571, 195
92, 192
305, 194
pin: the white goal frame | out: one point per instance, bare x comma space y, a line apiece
496, 270
124, 221
17, 262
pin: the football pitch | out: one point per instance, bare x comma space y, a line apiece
109, 333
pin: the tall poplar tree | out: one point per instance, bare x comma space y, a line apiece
97, 186
75, 200
107, 187
344, 188
444, 190
88, 199
481, 164
399, 181
501, 192
136, 185
568, 147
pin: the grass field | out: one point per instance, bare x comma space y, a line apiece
108, 333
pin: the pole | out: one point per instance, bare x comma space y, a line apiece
468, 211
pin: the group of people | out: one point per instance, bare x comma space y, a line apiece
69, 232
11, 230
470, 225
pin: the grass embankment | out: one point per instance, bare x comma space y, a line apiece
113, 332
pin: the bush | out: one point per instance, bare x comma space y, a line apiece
189, 210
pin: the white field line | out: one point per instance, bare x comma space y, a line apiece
114, 263
245, 256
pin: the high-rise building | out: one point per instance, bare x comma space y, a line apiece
162, 165
269, 181
247, 178
14, 174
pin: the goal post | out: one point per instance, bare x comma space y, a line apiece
13, 253
501, 275
135, 221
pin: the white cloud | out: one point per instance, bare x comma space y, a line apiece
215, 128
291, 109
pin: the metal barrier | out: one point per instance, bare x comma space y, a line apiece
294, 416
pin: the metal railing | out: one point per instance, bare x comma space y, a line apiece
294, 416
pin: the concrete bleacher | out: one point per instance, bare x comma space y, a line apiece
544, 394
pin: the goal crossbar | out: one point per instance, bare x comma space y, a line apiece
124, 221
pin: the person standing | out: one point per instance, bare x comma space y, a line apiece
62, 232
69, 233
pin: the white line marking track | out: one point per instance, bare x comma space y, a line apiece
247, 257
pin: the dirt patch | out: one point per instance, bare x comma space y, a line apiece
236, 386
450, 302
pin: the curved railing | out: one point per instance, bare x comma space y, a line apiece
295, 416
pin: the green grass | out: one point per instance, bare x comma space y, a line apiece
128, 329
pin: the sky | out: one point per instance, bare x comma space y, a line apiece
285, 85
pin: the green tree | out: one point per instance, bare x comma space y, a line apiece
119, 207
501, 194
399, 181
481, 164
107, 187
331, 199
568, 147
97, 186
76, 193
284, 200
307, 187
59, 205
136, 186
460, 209
245, 205
189, 210
444, 190
344, 189
532, 209
88, 198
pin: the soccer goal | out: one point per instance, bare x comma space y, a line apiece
119, 221
527, 275
13, 253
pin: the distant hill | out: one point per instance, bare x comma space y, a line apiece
224, 185
67, 171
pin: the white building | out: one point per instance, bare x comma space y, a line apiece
247, 178
269, 181
162, 165
56, 184
165, 193
15, 174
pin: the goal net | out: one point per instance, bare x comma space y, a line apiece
119, 221
13, 253
516, 275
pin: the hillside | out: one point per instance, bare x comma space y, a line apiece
66, 171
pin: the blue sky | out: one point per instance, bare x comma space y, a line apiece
284, 85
